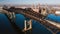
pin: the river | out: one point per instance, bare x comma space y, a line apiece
5, 26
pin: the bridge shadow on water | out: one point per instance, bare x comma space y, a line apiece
6, 27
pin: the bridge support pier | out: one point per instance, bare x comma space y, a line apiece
27, 25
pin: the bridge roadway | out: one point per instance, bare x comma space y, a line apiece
37, 16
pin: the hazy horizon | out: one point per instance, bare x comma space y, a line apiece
22, 2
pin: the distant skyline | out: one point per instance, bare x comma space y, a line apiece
19, 2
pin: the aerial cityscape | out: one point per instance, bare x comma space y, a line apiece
29, 16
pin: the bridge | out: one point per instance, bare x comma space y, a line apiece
50, 25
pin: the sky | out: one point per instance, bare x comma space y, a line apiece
30, 2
